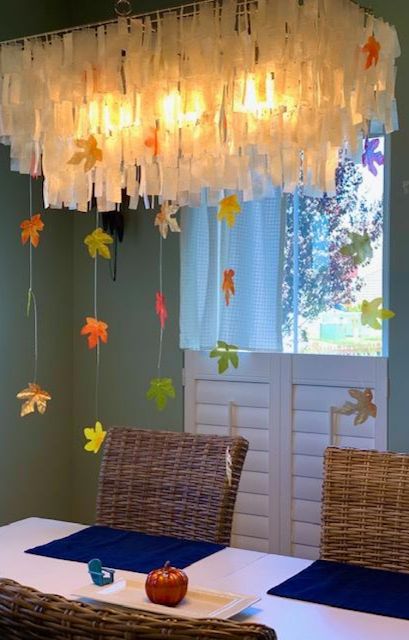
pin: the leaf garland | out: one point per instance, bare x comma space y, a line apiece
227, 355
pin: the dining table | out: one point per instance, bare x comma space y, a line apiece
230, 569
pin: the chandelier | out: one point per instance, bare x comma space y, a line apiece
225, 95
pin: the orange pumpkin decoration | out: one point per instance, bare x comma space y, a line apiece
167, 585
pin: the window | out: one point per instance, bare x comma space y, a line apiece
296, 288
322, 288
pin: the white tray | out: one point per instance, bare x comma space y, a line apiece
198, 603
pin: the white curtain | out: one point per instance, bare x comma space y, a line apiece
253, 249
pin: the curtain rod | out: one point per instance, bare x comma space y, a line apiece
192, 6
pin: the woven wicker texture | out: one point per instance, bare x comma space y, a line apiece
27, 614
365, 508
168, 483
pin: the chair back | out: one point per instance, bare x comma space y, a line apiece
28, 614
365, 508
168, 483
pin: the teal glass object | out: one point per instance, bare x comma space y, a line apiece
100, 575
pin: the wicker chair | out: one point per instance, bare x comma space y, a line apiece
27, 614
167, 483
365, 508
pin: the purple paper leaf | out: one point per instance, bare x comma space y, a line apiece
371, 157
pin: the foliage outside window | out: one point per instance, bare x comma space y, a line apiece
322, 288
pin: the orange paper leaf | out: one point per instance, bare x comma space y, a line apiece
228, 285
96, 331
372, 49
152, 142
30, 229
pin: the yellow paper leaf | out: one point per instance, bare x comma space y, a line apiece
96, 243
95, 436
229, 207
90, 154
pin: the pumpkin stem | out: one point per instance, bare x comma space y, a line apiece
167, 564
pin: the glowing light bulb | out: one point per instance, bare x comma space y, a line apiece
250, 97
125, 115
171, 110
93, 115
107, 120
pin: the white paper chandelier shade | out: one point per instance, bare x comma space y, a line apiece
229, 96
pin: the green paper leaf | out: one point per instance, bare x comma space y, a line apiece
359, 250
227, 355
29, 297
160, 390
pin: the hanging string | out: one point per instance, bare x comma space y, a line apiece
31, 294
96, 317
161, 292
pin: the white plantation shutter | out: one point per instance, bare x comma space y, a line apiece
284, 406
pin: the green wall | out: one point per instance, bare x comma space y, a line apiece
35, 451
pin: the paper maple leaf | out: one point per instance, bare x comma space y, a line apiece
152, 142
371, 157
372, 49
363, 407
97, 243
90, 153
229, 207
372, 312
30, 229
228, 285
165, 220
95, 436
227, 354
160, 390
360, 248
34, 398
160, 308
96, 331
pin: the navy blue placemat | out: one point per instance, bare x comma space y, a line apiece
347, 586
128, 550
